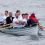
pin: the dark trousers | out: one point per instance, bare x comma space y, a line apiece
30, 22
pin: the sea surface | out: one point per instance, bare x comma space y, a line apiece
36, 6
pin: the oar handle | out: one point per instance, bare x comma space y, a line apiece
6, 25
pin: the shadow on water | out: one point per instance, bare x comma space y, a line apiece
17, 35
31, 37
34, 37
12, 34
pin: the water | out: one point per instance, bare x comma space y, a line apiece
37, 6
6, 39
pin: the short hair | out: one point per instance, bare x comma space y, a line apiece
23, 14
6, 11
26, 13
33, 14
17, 11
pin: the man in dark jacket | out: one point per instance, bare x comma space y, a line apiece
9, 19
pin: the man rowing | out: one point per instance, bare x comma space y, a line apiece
3, 17
32, 21
10, 18
17, 19
6, 14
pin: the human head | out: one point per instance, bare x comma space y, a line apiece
26, 15
33, 14
10, 14
6, 12
23, 15
18, 13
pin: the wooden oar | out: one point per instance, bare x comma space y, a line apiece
6, 26
1, 29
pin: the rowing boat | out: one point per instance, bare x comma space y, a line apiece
21, 31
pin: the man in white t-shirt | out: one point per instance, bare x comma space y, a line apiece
5, 16
24, 18
17, 19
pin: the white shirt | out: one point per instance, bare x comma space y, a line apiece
24, 20
2, 18
18, 20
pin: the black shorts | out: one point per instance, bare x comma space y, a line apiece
30, 22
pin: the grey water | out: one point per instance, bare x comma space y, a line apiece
7, 39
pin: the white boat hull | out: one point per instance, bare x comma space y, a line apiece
26, 31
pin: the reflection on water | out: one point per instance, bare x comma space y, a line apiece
6, 39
